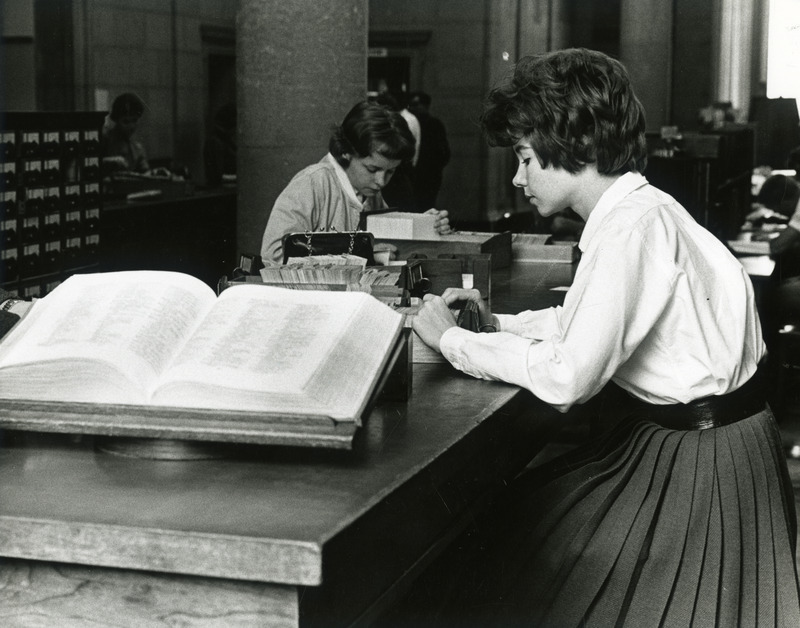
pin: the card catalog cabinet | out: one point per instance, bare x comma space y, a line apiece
50, 198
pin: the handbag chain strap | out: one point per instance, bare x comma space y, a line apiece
350, 248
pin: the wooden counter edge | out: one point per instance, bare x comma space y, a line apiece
186, 552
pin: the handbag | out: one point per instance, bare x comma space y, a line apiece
469, 317
329, 243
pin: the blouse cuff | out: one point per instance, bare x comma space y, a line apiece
501, 356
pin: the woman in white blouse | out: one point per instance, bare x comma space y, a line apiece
683, 514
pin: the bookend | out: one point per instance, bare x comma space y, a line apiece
396, 385
249, 264
413, 280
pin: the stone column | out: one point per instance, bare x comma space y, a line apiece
301, 65
646, 49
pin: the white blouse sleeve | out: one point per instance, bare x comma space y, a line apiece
533, 324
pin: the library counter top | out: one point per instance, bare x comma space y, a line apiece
262, 535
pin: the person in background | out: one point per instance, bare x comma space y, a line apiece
399, 192
364, 153
121, 152
683, 513
398, 100
219, 151
434, 151
781, 194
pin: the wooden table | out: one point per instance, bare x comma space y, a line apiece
530, 286
190, 234
261, 536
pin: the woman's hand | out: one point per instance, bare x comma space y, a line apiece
432, 320
453, 296
435, 316
442, 224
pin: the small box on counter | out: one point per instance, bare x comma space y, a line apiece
403, 226
538, 247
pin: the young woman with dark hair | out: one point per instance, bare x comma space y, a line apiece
781, 194
365, 150
683, 514
121, 152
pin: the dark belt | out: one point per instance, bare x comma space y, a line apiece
713, 411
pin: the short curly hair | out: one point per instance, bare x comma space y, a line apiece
127, 104
779, 193
576, 107
371, 128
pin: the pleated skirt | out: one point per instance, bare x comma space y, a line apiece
653, 527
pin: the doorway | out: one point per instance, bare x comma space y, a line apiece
396, 61
388, 74
219, 55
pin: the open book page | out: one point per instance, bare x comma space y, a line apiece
279, 350
101, 337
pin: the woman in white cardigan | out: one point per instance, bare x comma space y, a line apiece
364, 152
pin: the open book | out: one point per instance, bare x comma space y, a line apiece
164, 339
